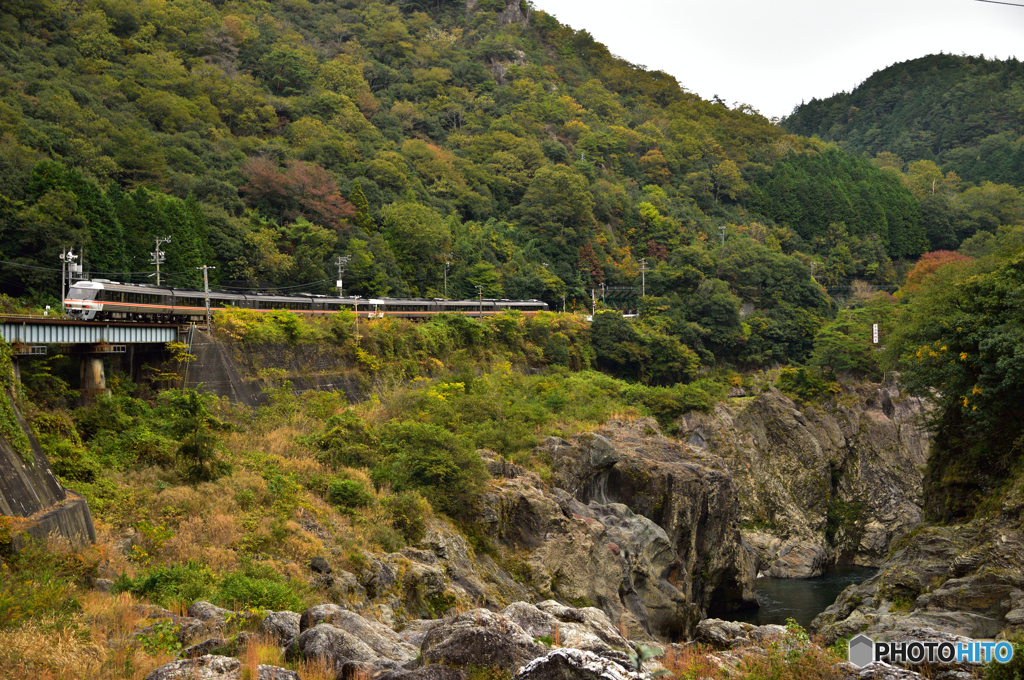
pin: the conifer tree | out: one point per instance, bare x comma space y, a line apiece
362, 218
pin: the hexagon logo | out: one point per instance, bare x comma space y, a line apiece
862, 650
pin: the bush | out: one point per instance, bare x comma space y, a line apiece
37, 582
176, 582
349, 442
806, 384
408, 512
432, 460
253, 586
259, 586
347, 493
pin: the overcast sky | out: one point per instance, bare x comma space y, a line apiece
772, 55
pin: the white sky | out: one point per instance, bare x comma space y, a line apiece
773, 55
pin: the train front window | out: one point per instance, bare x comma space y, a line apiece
82, 294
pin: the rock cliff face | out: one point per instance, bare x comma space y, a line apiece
641, 526
635, 525
966, 579
818, 486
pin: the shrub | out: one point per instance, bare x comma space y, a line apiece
432, 460
408, 512
259, 586
805, 385
254, 585
38, 582
350, 442
175, 582
348, 493
1014, 670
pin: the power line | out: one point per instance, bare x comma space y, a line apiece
997, 2
55, 269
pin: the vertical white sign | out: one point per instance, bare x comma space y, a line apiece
874, 333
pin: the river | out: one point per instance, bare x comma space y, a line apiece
800, 599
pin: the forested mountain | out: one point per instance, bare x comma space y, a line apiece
268, 138
962, 112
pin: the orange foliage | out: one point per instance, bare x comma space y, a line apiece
931, 263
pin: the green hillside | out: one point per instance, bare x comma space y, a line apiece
268, 115
964, 113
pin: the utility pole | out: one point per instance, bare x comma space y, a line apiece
603, 289
206, 294
158, 255
480, 292
643, 277
447, 264
722, 229
563, 303
355, 306
593, 303
67, 259
341, 262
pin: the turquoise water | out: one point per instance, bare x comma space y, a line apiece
800, 599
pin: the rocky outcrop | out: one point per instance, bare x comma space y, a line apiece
480, 638
634, 523
820, 484
217, 668
281, 626
575, 664
964, 579
719, 634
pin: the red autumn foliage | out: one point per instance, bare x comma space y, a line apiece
931, 263
300, 189
657, 251
589, 263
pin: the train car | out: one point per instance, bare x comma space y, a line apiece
103, 300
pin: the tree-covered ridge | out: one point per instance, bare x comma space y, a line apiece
268, 138
961, 112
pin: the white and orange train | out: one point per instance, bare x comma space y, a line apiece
102, 300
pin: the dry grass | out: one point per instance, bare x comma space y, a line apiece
261, 650
44, 650
693, 662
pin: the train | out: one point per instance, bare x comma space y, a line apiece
103, 300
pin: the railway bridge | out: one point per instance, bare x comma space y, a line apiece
29, 336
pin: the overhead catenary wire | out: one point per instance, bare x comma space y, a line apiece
174, 275
998, 2
56, 269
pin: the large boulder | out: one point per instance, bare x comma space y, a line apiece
334, 646
582, 628
216, 668
480, 638
205, 611
385, 643
281, 626
805, 559
576, 664
723, 635
321, 613
413, 632
431, 672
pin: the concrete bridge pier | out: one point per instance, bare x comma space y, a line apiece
93, 380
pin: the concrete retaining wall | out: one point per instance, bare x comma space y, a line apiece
30, 490
214, 372
26, 488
